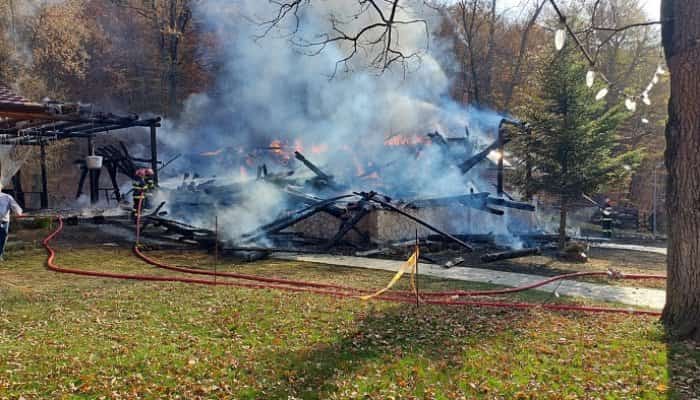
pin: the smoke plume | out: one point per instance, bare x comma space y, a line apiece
273, 91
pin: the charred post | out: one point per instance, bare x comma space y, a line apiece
507, 255
154, 153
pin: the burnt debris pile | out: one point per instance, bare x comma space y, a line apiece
280, 199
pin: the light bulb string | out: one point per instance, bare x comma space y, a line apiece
602, 93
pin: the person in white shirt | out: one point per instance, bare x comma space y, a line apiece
7, 204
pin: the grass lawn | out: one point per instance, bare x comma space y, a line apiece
64, 336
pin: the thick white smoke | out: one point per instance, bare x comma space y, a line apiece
270, 89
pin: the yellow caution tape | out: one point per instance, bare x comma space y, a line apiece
409, 265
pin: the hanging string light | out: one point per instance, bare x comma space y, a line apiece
630, 101
559, 38
601, 94
590, 78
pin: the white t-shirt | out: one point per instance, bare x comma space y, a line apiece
7, 204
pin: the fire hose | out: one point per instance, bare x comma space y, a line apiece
336, 290
186, 269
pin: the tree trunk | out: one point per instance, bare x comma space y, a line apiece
515, 79
173, 43
680, 35
562, 223
488, 78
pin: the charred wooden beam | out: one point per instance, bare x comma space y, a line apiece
154, 153
81, 182
474, 238
470, 163
312, 167
494, 211
474, 200
507, 255
290, 220
371, 196
17, 187
437, 138
498, 201
363, 208
478, 201
112, 171
498, 144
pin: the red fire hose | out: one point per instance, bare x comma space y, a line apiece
189, 270
326, 289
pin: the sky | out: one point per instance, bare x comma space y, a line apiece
652, 7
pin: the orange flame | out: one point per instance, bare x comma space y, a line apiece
318, 149
276, 146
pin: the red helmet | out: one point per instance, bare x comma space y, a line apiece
141, 172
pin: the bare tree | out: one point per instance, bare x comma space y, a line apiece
379, 36
516, 74
170, 19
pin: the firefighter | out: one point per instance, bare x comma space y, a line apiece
607, 219
139, 188
150, 182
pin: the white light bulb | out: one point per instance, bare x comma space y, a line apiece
559, 38
601, 94
645, 121
631, 105
590, 78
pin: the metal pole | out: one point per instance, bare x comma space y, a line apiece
154, 154
44, 180
416, 276
216, 244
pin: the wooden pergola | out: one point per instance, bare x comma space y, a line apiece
27, 123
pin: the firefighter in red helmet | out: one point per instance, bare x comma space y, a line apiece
142, 187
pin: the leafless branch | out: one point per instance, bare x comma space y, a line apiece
379, 38
594, 28
286, 8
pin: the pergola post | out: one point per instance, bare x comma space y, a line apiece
17, 185
93, 177
44, 179
154, 154
499, 179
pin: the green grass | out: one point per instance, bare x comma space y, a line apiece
63, 336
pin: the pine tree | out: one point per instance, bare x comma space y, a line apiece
572, 149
